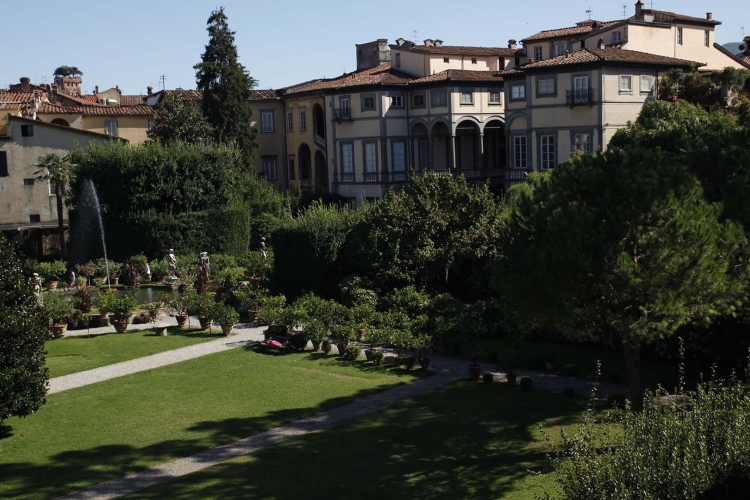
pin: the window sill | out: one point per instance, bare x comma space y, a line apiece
494, 104
626, 92
465, 104
545, 96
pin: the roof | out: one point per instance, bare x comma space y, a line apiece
16, 97
610, 55
69, 129
188, 95
582, 28
132, 100
92, 98
661, 16
261, 95
461, 75
142, 110
458, 50
379, 75
741, 58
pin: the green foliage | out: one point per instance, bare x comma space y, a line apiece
23, 332
82, 300
226, 87
58, 307
223, 314
159, 269
51, 271
201, 304
176, 119
409, 361
122, 307
59, 171
352, 353
734, 78
357, 290
152, 310
378, 358
679, 447
309, 251
67, 71
315, 330
437, 233
271, 309
104, 300
526, 384
327, 346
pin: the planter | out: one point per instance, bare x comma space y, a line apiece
58, 330
161, 331
114, 281
425, 363
316, 345
267, 334
252, 315
397, 360
475, 371
205, 322
361, 335
120, 325
226, 329
369, 354
104, 314
182, 320
50, 285
341, 348
511, 377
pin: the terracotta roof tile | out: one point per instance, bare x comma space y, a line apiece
188, 95
132, 100
92, 98
460, 50
613, 55
661, 16
142, 110
262, 95
379, 75
581, 28
460, 75
18, 97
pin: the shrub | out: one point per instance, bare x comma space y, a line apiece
271, 309
488, 378
616, 400
527, 384
570, 370
103, 300
82, 300
299, 341
378, 357
224, 315
327, 346
122, 307
159, 269
569, 393
409, 361
51, 271
352, 353
315, 330
58, 307
201, 304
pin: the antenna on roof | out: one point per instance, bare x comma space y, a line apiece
624, 11
163, 80
415, 37
589, 12
44, 78
652, 4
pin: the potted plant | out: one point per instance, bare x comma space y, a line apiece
159, 270
474, 352
375, 337
401, 340
344, 335
423, 344
316, 332
271, 309
180, 303
103, 301
202, 306
58, 308
114, 272
51, 272
152, 311
225, 316
361, 315
121, 309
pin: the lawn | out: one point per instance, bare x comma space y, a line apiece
92, 434
466, 440
76, 354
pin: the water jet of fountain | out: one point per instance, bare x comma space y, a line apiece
89, 197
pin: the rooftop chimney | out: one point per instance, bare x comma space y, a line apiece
429, 42
600, 44
96, 89
400, 41
709, 16
438, 43
25, 84
639, 11
512, 44
150, 90
372, 54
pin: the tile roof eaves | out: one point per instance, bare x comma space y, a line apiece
744, 61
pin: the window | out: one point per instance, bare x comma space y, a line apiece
417, 101
582, 143
28, 182
548, 152
519, 152
538, 53
35, 218
368, 103
518, 92
439, 99
616, 36
292, 174
546, 86
446, 60
581, 89
399, 157
473, 60
647, 83
346, 108
289, 121
626, 83
302, 119
347, 158
266, 121
269, 168
27, 130
679, 36
371, 158
53, 190
467, 97
501, 63
111, 127
559, 49
397, 101
496, 97
398, 60
3, 164
707, 38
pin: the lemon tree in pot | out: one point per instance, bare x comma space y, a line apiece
423, 346
51, 272
316, 332
121, 309
179, 303
271, 313
203, 307
225, 316
58, 308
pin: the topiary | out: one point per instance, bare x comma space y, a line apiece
569, 393
527, 384
352, 353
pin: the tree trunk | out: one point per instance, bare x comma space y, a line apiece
60, 228
633, 364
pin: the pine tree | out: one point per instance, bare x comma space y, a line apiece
226, 87
178, 120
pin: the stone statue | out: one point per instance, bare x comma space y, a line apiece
263, 249
172, 264
204, 262
37, 283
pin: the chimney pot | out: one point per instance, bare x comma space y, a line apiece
512, 44
601, 44
709, 16
639, 10
150, 90
438, 43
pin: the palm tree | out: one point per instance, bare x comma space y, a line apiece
59, 171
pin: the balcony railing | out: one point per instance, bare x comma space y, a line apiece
580, 97
347, 177
342, 114
399, 176
320, 141
516, 174
371, 177
305, 182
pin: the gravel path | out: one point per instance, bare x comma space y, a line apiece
163, 320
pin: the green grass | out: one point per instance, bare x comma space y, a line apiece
92, 434
76, 354
467, 440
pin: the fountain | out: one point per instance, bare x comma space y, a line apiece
89, 207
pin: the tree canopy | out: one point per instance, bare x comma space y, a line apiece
226, 87
68, 71
178, 120
59, 171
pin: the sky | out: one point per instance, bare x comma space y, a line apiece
133, 43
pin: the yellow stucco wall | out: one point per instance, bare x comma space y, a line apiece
270, 144
132, 128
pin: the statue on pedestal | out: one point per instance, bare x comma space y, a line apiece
172, 264
263, 249
204, 262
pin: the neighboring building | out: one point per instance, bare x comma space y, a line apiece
126, 122
745, 51
268, 119
28, 207
576, 102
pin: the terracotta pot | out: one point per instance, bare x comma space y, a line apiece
161, 331
252, 314
511, 377
182, 320
361, 335
51, 285
114, 280
58, 330
425, 363
369, 354
227, 329
120, 325
316, 346
474, 371
104, 314
205, 322
397, 360
341, 348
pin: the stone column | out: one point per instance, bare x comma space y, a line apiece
452, 152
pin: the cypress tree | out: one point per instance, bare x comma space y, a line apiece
226, 87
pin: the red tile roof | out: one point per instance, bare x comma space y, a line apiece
142, 110
262, 95
460, 75
610, 55
582, 28
459, 50
188, 95
379, 75
661, 16
18, 97
92, 98
132, 100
